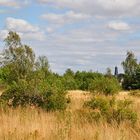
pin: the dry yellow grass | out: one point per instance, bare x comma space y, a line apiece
35, 124
1, 92
78, 97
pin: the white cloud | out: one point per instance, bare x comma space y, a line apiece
91, 45
117, 4
49, 30
36, 36
20, 25
118, 25
68, 17
99, 7
26, 30
9, 3
14, 3
3, 34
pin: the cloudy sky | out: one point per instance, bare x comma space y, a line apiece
76, 34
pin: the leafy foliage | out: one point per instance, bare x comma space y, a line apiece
105, 85
111, 110
91, 81
132, 72
130, 63
29, 82
84, 79
69, 80
17, 61
79, 80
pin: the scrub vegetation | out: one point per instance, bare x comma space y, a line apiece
38, 104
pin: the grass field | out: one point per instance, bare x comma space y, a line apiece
35, 124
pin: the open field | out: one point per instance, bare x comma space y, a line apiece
35, 124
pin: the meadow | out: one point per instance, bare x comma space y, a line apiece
38, 104
32, 123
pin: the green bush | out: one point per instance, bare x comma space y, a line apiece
78, 80
84, 79
20, 94
54, 101
28, 80
112, 110
45, 94
105, 85
69, 81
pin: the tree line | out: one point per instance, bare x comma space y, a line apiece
28, 80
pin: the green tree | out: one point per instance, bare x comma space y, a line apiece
69, 72
42, 64
108, 72
84, 79
130, 67
105, 85
136, 79
69, 80
12, 40
17, 59
29, 82
130, 64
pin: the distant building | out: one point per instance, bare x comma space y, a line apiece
116, 71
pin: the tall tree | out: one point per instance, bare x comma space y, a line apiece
42, 64
136, 78
12, 40
130, 67
108, 72
130, 63
17, 59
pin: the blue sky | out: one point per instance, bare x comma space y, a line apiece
76, 34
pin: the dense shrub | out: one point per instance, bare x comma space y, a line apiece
111, 110
29, 80
88, 80
48, 97
69, 83
79, 80
105, 85
84, 79
55, 94
54, 101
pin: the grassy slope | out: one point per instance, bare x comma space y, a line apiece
35, 124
